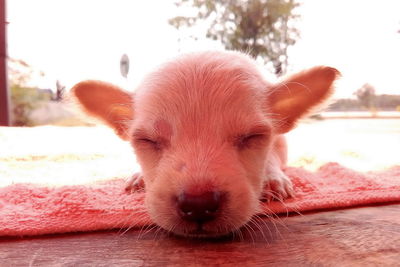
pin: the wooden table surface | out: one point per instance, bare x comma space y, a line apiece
361, 236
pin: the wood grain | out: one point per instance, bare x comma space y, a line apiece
363, 236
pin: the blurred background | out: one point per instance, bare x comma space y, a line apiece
53, 44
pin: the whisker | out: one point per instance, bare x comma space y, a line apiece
126, 229
251, 231
255, 220
259, 219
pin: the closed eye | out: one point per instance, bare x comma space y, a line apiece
148, 142
247, 141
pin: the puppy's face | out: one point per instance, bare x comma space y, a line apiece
202, 128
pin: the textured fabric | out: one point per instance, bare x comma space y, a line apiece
28, 209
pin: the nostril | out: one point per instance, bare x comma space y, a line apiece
199, 208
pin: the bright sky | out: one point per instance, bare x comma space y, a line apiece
73, 40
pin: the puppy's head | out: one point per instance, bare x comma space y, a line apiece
201, 127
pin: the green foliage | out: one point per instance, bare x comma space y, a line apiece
387, 102
23, 101
381, 102
346, 104
263, 28
366, 96
24, 97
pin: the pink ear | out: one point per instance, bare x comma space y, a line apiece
106, 102
297, 95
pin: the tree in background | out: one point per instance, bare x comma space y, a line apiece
366, 96
24, 97
263, 28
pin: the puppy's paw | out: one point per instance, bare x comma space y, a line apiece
278, 187
135, 183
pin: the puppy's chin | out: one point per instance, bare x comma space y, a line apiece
203, 234
234, 213
214, 230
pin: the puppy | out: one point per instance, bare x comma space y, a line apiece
207, 130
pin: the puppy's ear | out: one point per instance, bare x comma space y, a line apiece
297, 95
107, 102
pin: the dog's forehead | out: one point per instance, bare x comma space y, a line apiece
203, 90
200, 81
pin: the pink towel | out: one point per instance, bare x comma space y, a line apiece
27, 209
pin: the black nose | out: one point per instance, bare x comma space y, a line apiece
199, 208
